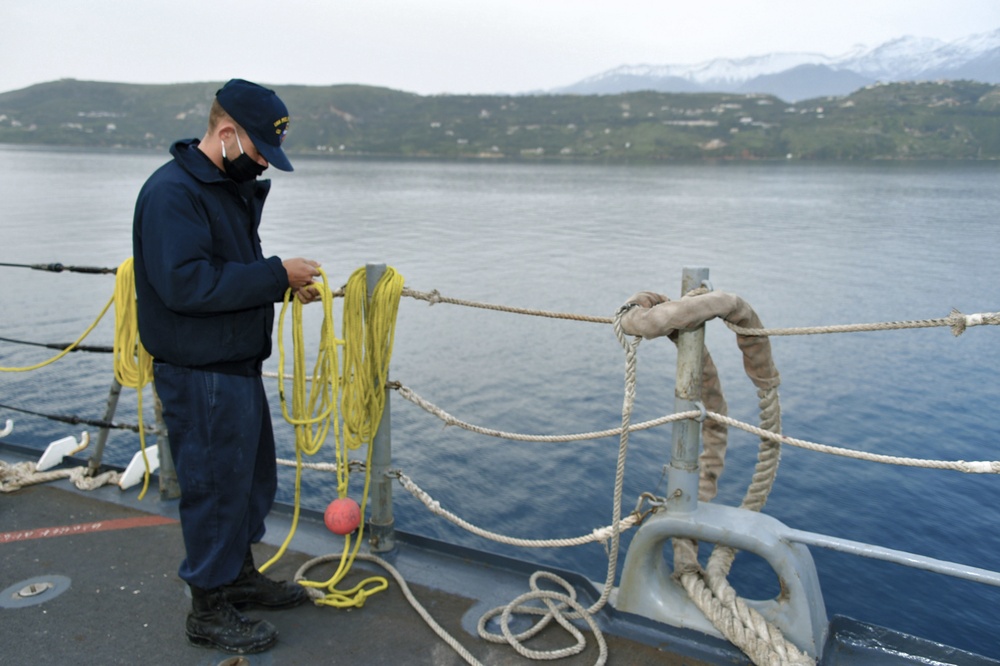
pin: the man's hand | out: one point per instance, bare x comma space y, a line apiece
307, 294
300, 273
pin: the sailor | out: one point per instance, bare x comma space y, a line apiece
206, 296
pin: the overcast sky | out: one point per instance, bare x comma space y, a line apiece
439, 46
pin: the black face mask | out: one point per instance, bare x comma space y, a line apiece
243, 168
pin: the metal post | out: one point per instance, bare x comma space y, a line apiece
382, 533
169, 487
102, 436
682, 475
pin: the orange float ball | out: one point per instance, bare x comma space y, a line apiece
342, 516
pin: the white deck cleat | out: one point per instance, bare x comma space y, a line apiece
137, 469
59, 449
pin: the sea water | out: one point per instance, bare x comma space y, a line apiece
806, 244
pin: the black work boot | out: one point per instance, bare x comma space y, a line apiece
214, 622
252, 588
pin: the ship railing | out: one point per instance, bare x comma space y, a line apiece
646, 586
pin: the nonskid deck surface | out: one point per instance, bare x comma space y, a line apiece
118, 600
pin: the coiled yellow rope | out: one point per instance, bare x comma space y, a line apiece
133, 366
367, 347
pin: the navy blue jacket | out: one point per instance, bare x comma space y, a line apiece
205, 292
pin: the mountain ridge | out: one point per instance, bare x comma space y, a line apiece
908, 58
947, 120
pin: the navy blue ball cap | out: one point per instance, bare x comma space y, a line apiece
262, 114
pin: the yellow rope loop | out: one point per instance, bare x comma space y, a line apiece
133, 364
314, 410
313, 407
354, 597
368, 332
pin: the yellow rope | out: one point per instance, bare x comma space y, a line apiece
366, 366
133, 366
367, 348
310, 431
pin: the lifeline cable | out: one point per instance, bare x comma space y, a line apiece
59, 268
68, 349
75, 420
102, 349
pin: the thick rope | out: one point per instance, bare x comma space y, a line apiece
956, 321
967, 467
405, 589
598, 535
450, 420
708, 588
19, 475
739, 623
556, 603
433, 297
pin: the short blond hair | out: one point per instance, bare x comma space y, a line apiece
217, 115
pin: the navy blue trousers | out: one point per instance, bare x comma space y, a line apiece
222, 443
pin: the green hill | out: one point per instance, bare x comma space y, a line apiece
943, 120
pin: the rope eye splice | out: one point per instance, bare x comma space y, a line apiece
349, 401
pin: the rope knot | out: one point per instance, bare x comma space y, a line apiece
957, 321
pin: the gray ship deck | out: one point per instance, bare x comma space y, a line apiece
118, 600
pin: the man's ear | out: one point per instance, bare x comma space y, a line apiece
225, 131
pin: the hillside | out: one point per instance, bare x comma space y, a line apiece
943, 120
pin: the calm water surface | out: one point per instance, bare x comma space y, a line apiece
805, 244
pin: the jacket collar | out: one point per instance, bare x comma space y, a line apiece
197, 163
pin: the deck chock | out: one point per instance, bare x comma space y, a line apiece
59, 449
647, 586
136, 469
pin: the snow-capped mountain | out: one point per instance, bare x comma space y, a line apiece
795, 76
